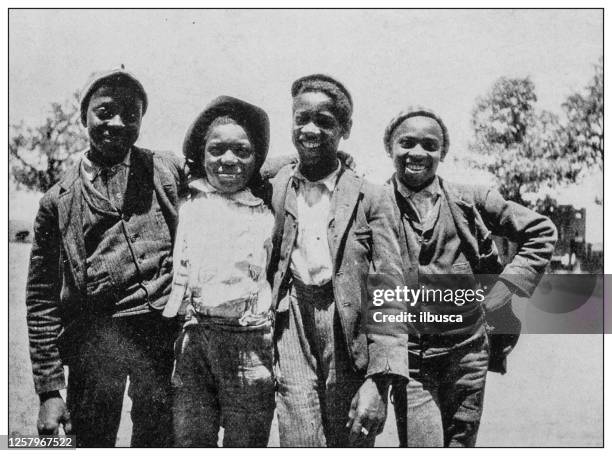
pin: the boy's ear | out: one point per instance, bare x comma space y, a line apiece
347, 129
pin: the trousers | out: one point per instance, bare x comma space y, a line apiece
109, 351
315, 378
223, 378
442, 403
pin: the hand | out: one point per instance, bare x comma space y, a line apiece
347, 159
52, 413
368, 410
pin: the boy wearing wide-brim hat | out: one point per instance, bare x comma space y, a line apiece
446, 242
223, 375
100, 272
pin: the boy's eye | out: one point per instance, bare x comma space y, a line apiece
103, 113
326, 122
132, 117
408, 143
242, 152
430, 145
300, 119
214, 150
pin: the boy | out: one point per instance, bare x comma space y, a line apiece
446, 230
332, 229
100, 273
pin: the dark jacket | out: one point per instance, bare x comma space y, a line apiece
56, 286
362, 238
478, 213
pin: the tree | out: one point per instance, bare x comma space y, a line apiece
584, 113
40, 155
522, 148
531, 153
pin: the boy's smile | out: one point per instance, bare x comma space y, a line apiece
416, 150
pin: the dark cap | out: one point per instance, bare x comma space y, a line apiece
330, 86
116, 77
252, 118
416, 111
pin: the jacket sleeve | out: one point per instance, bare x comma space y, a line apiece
534, 234
181, 266
42, 300
387, 346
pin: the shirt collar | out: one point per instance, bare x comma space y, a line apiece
433, 189
243, 197
328, 181
92, 170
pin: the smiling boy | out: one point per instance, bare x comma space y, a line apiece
445, 231
332, 228
100, 274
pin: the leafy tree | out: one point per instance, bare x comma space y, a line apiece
40, 155
532, 152
585, 122
519, 146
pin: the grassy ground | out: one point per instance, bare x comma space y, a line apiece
552, 395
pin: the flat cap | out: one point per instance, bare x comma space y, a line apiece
115, 77
332, 87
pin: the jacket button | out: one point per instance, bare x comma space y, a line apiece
346, 304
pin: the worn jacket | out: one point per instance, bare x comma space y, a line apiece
56, 286
480, 212
362, 237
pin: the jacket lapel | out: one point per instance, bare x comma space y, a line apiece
344, 200
463, 214
70, 218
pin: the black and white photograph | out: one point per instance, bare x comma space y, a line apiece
314, 227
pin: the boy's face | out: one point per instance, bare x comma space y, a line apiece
416, 148
316, 129
114, 115
229, 158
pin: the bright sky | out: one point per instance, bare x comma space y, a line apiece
388, 59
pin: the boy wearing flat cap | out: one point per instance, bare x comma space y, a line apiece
332, 229
223, 375
445, 239
100, 274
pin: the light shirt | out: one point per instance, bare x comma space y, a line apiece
109, 181
425, 202
311, 261
220, 257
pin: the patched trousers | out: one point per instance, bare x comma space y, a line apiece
223, 378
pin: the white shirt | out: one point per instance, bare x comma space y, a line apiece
311, 261
219, 255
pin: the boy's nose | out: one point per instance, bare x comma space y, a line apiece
311, 128
229, 157
116, 121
